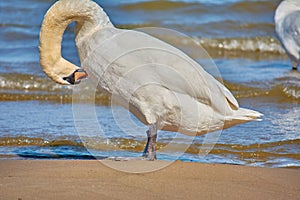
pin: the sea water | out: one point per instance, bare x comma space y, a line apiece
36, 119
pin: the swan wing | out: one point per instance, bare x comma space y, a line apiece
131, 59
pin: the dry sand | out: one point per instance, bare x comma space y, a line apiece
90, 179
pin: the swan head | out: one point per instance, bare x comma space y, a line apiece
75, 77
89, 17
63, 72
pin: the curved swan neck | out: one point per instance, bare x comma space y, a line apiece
89, 17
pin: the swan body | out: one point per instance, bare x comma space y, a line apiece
287, 27
158, 83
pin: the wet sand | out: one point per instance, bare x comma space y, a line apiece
90, 179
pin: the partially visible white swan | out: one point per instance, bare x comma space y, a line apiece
287, 27
164, 88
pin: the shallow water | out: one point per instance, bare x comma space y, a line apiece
36, 119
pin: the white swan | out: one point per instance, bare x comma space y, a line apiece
287, 27
170, 92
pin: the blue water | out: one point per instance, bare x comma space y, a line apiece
37, 121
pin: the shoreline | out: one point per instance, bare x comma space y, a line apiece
91, 179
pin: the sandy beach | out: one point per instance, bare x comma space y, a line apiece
91, 179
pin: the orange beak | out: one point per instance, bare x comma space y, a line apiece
79, 75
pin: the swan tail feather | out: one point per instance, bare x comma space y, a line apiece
242, 115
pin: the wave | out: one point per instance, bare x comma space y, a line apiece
19, 87
258, 152
283, 89
22, 87
228, 27
259, 46
37, 141
235, 6
256, 44
254, 7
156, 5
98, 143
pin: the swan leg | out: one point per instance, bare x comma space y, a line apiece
295, 65
150, 148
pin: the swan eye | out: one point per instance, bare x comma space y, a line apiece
76, 76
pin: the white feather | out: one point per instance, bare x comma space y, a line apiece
287, 27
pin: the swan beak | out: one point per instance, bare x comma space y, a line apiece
76, 76
79, 75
